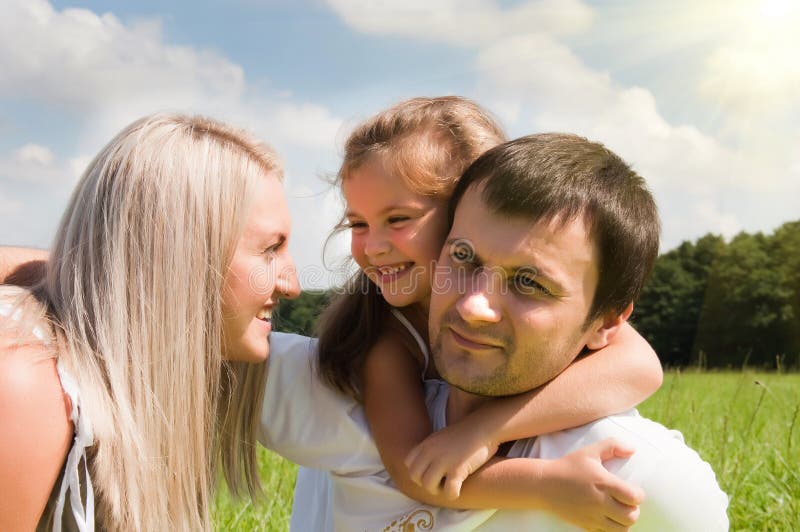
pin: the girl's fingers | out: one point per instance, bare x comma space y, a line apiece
609, 525
416, 468
452, 485
432, 480
624, 514
611, 448
411, 457
624, 492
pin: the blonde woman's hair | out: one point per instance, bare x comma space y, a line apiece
133, 290
427, 143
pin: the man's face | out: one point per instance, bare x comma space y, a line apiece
510, 299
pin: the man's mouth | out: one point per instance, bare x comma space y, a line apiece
473, 341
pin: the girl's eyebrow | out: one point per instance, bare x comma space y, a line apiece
390, 208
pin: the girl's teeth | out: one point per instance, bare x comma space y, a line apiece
264, 315
392, 269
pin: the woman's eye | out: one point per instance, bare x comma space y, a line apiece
273, 250
270, 252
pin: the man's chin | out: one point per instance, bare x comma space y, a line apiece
471, 384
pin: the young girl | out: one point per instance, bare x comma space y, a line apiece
398, 172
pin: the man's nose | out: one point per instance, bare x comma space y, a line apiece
479, 303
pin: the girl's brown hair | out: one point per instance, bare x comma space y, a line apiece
428, 143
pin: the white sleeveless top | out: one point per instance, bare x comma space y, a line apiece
418, 337
82, 511
83, 514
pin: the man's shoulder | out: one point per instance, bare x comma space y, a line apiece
629, 427
681, 489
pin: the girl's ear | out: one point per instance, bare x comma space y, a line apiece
606, 327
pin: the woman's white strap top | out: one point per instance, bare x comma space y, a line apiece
423, 347
82, 514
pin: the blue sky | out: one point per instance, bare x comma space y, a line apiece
703, 100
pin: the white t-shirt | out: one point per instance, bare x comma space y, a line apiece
314, 426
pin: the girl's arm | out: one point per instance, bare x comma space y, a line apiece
576, 487
610, 380
21, 266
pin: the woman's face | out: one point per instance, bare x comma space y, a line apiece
261, 273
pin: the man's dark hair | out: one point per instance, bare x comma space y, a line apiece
558, 177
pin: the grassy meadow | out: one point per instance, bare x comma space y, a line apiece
745, 424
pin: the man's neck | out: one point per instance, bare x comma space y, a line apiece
460, 404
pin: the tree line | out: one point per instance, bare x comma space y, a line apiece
710, 303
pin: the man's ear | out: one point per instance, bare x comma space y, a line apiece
606, 327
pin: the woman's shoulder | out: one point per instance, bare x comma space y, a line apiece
30, 388
37, 431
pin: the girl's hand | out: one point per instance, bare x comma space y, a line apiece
443, 460
579, 490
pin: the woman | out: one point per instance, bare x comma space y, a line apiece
138, 361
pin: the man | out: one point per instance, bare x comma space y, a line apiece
552, 238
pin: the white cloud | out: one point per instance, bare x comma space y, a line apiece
698, 181
117, 72
749, 78
754, 68
463, 22
726, 224
35, 154
112, 73
34, 164
77, 58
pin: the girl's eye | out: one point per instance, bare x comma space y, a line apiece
398, 219
355, 225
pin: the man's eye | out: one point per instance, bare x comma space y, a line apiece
526, 283
462, 252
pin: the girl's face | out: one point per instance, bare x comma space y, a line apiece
261, 273
396, 234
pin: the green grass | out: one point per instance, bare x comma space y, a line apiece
271, 514
745, 424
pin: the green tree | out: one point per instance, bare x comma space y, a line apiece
748, 314
668, 311
299, 315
